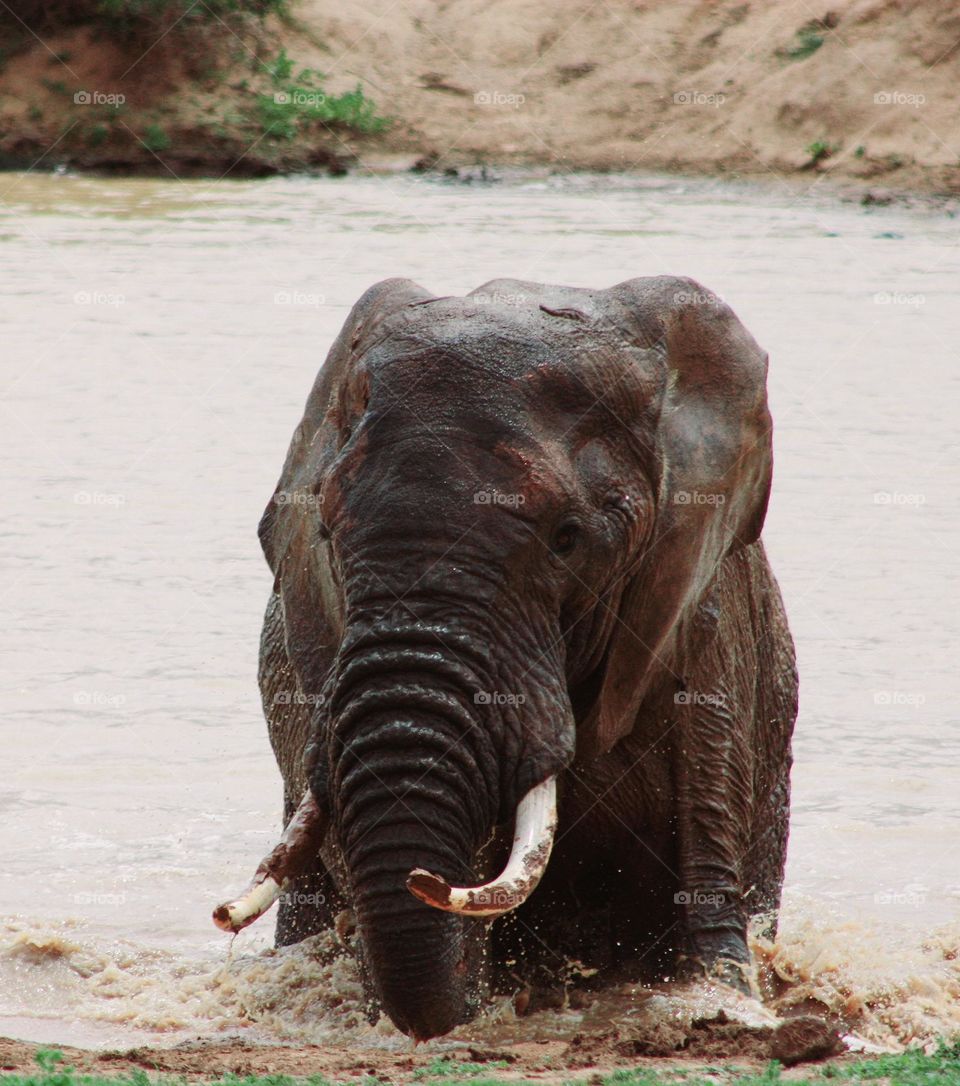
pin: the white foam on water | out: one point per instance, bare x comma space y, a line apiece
894, 988
888, 995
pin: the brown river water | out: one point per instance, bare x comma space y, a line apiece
159, 341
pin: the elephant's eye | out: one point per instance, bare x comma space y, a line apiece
565, 537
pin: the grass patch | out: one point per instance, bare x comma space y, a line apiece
819, 151
445, 1068
97, 135
52, 1070
155, 139
297, 102
56, 86
806, 42
912, 1068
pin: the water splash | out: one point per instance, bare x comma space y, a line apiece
885, 992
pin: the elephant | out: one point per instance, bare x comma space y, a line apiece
525, 666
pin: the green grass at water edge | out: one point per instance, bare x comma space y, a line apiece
912, 1068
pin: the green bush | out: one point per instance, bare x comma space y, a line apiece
296, 102
820, 150
155, 139
806, 42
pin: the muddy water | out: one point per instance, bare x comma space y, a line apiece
159, 340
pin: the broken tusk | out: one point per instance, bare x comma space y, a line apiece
298, 846
234, 916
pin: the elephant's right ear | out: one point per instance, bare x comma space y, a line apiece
288, 527
715, 453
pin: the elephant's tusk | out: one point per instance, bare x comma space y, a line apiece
532, 843
234, 916
299, 845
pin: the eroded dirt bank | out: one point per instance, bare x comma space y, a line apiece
863, 90
546, 1061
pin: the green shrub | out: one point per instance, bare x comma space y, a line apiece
296, 102
807, 41
155, 139
97, 135
820, 150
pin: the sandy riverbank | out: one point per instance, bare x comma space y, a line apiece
862, 92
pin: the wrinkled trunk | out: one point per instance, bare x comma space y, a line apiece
414, 777
417, 956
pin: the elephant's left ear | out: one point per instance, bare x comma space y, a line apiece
715, 451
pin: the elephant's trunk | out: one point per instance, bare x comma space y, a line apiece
415, 783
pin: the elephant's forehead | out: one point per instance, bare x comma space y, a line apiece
521, 353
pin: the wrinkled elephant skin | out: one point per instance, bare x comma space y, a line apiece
517, 538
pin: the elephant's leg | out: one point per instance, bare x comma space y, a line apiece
733, 761
714, 711
776, 713
311, 902
714, 789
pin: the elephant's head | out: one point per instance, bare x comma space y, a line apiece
500, 510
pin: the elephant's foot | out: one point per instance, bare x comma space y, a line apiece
736, 975
719, 956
